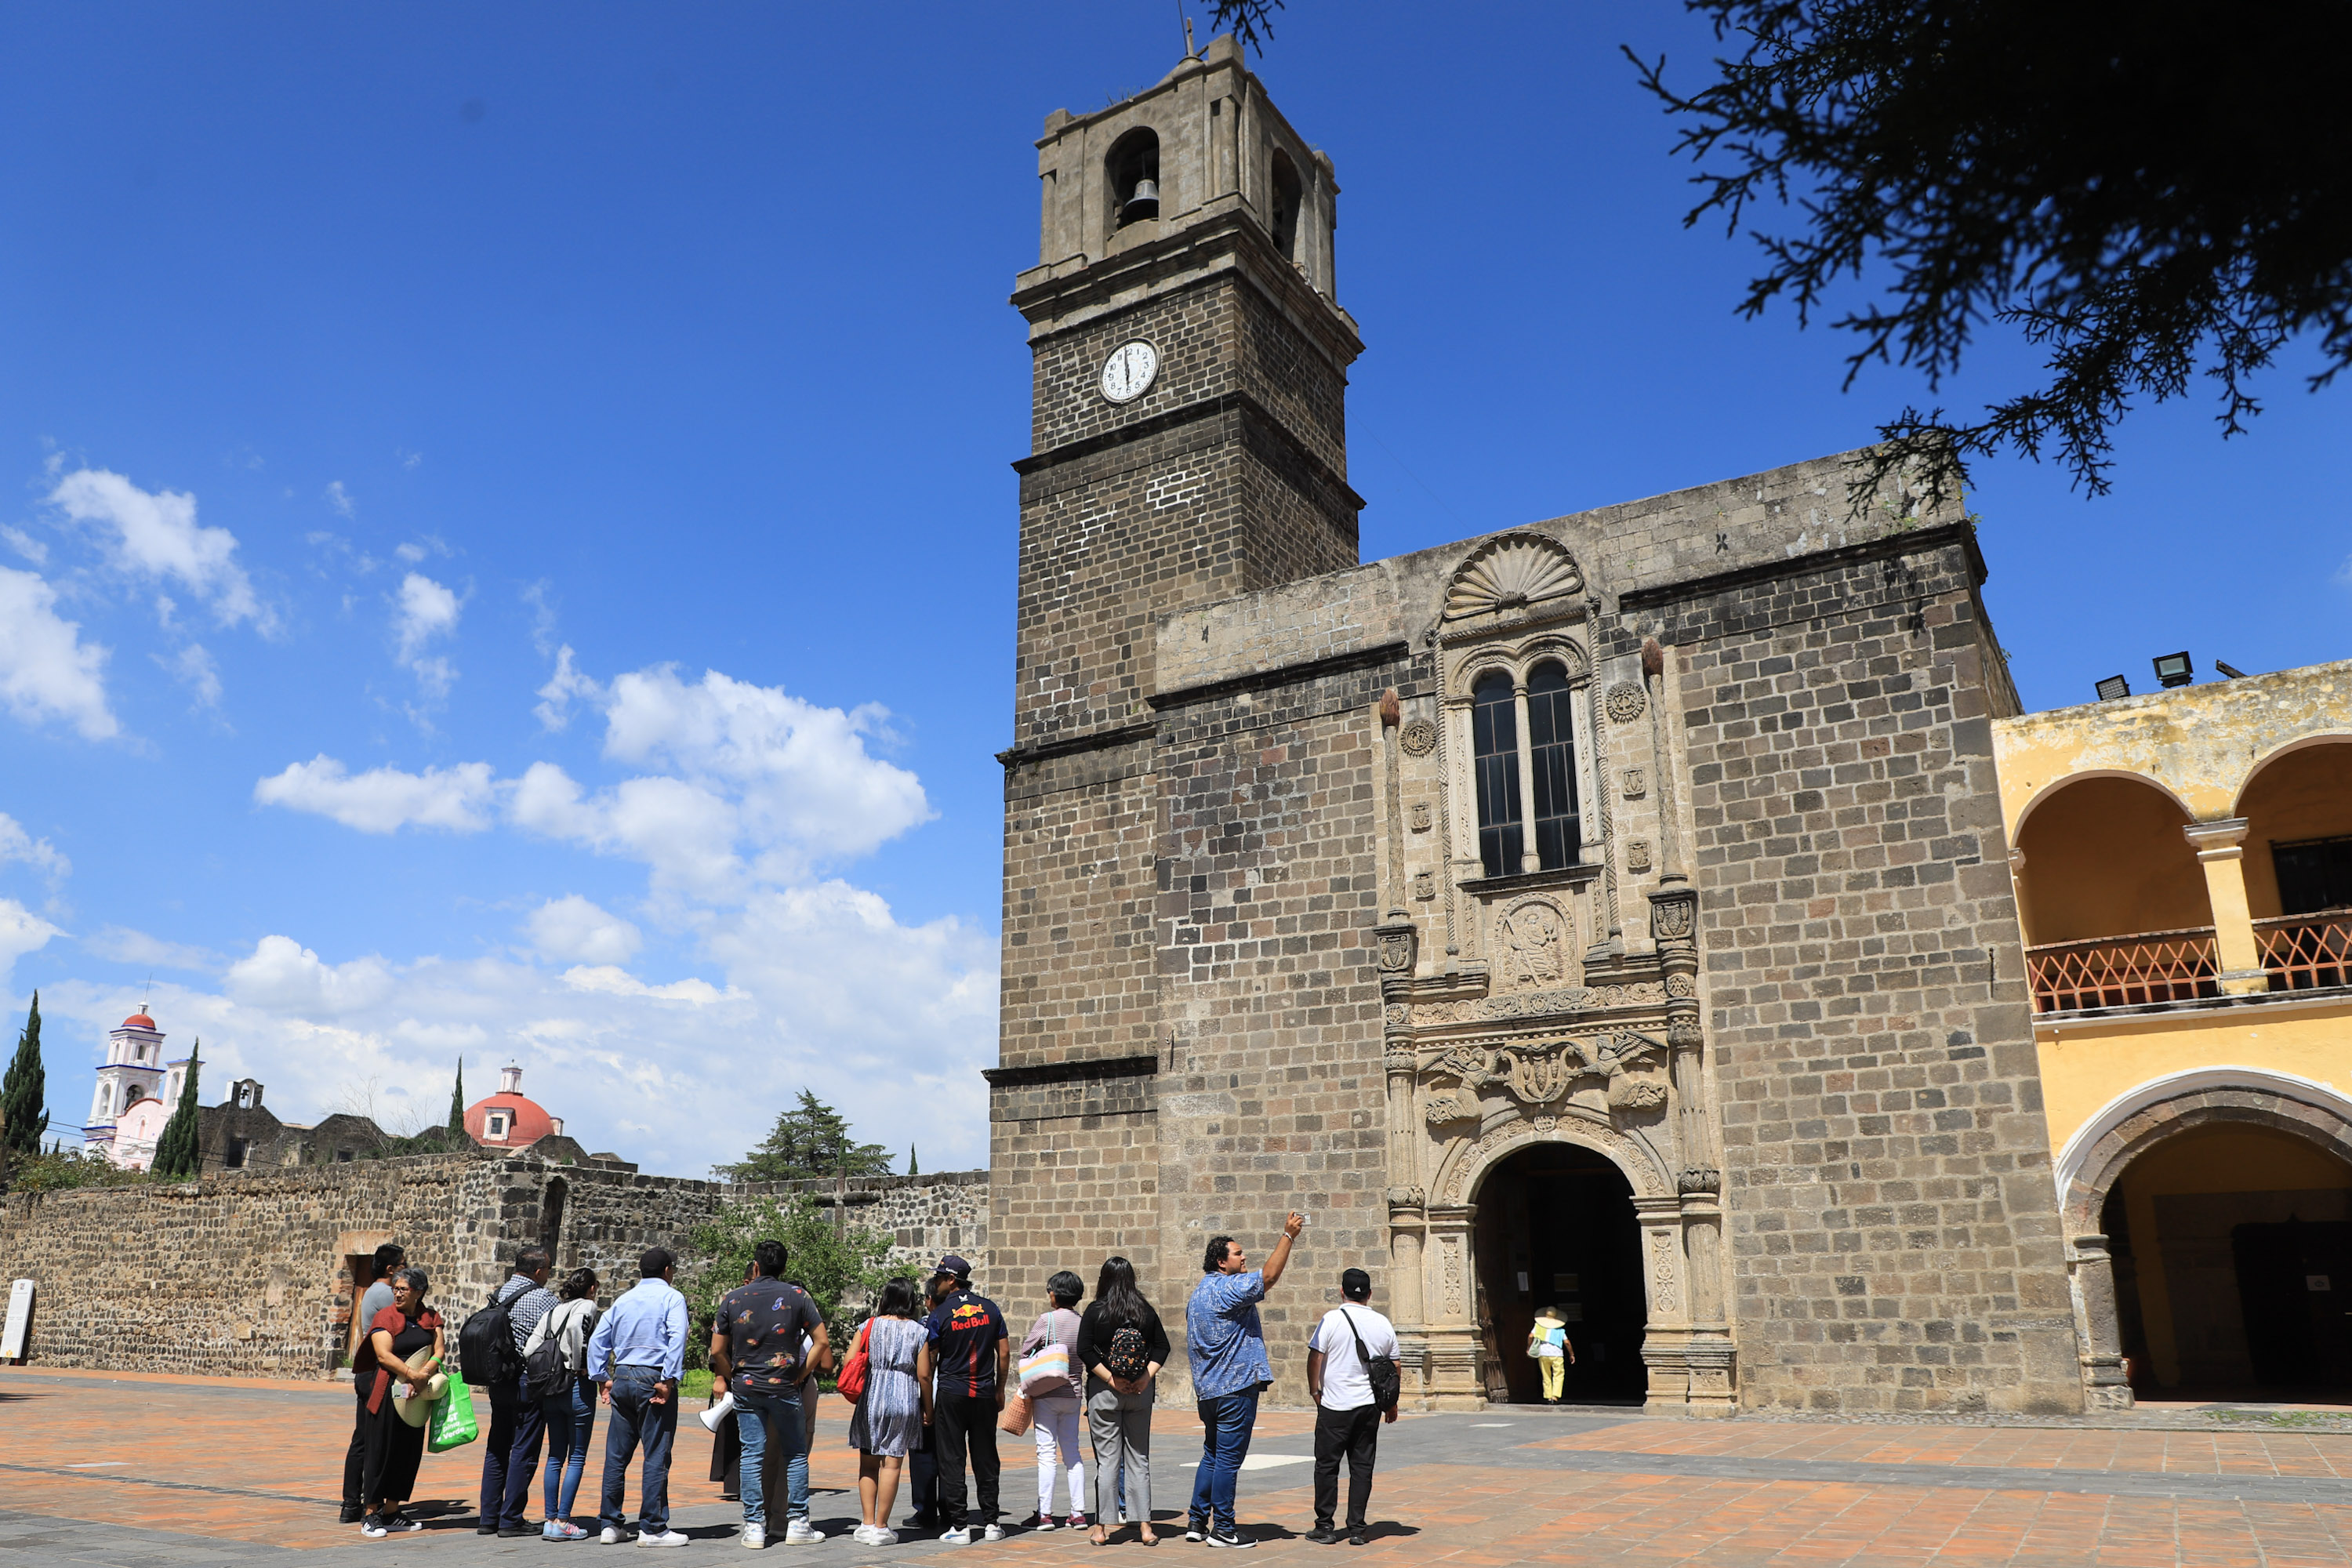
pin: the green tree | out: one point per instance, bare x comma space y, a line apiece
912, 1168
2148, 193
809, 1141
457, 1100
831, 1263
177, 1151
22, 1118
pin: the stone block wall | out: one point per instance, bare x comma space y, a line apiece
926, 1216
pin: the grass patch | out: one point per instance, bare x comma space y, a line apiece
695, 1385
2286, 1418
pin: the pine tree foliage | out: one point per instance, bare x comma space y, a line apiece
177, 1152
22, 1118
457, 1100
912, 1168
810, 1140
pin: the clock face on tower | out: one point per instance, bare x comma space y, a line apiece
1128, 374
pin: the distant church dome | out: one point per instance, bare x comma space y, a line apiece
139, 1021
507, 1120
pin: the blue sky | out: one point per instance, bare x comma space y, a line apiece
510, 549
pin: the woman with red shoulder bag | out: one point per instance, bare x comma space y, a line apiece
892, 1405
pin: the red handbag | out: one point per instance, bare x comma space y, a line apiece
851, 1383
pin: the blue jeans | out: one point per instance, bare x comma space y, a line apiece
570, 1417
1226, 1422
758, 1417
636, 1419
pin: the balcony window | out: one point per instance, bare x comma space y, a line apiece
1551, 742
1495, 749
2316, 874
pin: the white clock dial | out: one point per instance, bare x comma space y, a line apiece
1128, 374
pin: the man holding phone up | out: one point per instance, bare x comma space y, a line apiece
1229, 1371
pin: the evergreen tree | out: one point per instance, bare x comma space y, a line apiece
176, 1151
810, 1140
22, 1091
912, 1168
457, 1100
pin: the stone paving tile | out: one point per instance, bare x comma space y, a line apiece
252, 1469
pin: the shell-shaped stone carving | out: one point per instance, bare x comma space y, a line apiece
1510, 572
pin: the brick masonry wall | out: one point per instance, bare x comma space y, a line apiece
926, 1216
1893, 1240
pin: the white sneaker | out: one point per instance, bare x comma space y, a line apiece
610, 1537
755, 1536
993, 1532
801, 1532
667, 1538
959, 1536
882, 1535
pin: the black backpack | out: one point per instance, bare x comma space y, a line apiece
1127, 1356
486, 1347
1381, 1370
547, 1371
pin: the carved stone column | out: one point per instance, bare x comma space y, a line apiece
2105, 1386
1665, 1347
1673, 927
1451, 1309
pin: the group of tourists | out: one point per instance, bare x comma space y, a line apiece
933, 1375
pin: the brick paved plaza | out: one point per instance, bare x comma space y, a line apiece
109, 1469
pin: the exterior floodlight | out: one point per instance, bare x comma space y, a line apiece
2113, 686
2232, 670
2174, 669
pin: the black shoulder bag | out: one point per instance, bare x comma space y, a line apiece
1381, 1370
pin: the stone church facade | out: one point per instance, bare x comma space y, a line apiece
1609, 912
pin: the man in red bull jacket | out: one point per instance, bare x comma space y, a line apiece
970, 1350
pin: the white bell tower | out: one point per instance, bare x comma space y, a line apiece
134, 1069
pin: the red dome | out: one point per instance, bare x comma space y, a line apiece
526, 1123
139, 1021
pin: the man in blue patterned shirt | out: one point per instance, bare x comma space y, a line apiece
1227, 1346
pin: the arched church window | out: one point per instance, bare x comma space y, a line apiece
1134, 171
1495, 746
1551, 742
1287, 198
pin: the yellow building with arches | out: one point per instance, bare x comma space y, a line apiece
2183, 868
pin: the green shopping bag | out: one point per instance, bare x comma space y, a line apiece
451, 1424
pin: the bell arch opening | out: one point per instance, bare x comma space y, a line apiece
1556, 1227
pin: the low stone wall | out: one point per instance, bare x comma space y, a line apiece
245, 1272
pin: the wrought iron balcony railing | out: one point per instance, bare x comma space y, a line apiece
2124, 971
2304, 953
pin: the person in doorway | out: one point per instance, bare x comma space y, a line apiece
638, 1354
891, 1413
510, 1447
1548, 1343
923, 1461
375, 1296
570, 1415
1227, 1345
765, 1333
967, 1344
1056, 1404
397, 1360
1347, 1414
1122, 1347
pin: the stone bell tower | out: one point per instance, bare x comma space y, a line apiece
1188, 445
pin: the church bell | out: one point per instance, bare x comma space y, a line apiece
1145, 202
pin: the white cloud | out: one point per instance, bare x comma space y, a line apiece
19, 845
193, 667
685, 833
410, 459
574, 929
283, 975
383, 800
426, 611
47, 671
155, 534
613, 981
21, 931
554, 709
25, 544
340, 499
121, 944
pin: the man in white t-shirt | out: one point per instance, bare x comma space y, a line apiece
1346, 1417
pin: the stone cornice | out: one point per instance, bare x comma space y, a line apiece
1910, 541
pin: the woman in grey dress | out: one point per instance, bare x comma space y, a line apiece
894, 1410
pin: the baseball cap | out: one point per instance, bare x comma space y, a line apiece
951, 1264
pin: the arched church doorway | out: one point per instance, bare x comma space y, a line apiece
2232, 1253
1556, 1227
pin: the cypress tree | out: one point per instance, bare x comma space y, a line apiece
22, 1091
457, 1101
176, 1153
912, 1168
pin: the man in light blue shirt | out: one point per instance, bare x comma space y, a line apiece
638, 1352
1227, 1346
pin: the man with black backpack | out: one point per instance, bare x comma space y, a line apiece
489, 1353
1351, 1371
